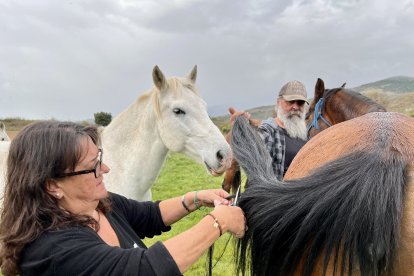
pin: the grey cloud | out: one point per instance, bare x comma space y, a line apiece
69, 59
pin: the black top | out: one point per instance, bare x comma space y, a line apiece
80, 251
293, 145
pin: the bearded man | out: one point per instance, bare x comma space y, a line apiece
286, 134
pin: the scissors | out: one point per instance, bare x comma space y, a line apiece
236, 197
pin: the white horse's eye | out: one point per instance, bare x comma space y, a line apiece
178, 111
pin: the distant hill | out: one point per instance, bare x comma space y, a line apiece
395, 93
261, 112
398, 85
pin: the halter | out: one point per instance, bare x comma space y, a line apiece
318, 114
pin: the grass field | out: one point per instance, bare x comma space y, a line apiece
178, 176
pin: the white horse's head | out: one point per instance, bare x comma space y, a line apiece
184, 125
3, 133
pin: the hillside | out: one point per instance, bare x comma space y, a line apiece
261, 112
395, 93
396, 85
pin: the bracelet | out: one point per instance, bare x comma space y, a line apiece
216, 223
185, 205
195, 200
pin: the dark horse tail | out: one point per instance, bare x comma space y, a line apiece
346, 214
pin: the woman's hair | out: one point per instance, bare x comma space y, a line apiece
39, 153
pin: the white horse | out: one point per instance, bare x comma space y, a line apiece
170, 117
4, 151
3, 133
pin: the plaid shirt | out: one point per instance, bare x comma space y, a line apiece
274, 139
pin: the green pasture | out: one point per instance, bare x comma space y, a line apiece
178, 176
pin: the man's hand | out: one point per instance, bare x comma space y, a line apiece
234, 113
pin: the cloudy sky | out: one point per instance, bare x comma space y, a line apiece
69, 59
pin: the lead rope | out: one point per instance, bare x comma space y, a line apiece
210, 260
210, 257
211, 249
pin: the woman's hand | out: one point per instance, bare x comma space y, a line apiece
211, 198
231, 219
188, 246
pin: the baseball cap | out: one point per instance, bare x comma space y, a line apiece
292, 91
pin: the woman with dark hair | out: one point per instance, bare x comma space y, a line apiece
58, 218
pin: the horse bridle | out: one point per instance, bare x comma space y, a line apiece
318, 114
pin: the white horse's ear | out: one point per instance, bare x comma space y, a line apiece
193, 74
158, 78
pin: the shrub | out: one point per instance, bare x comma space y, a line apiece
103, 118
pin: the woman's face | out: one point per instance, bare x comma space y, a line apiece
82, 192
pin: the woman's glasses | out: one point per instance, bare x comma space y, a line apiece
96, 169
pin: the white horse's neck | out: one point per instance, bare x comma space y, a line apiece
134, 149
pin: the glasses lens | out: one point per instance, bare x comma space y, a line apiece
98, 165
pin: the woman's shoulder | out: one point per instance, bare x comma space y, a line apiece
53, 241
60, 236
120, 201
116, 198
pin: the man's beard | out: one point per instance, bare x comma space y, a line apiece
294, 122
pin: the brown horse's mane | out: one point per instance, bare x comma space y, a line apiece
357, 104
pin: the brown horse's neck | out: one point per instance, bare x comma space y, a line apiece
346, 105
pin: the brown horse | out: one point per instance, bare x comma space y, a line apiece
328, 107
347, 208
